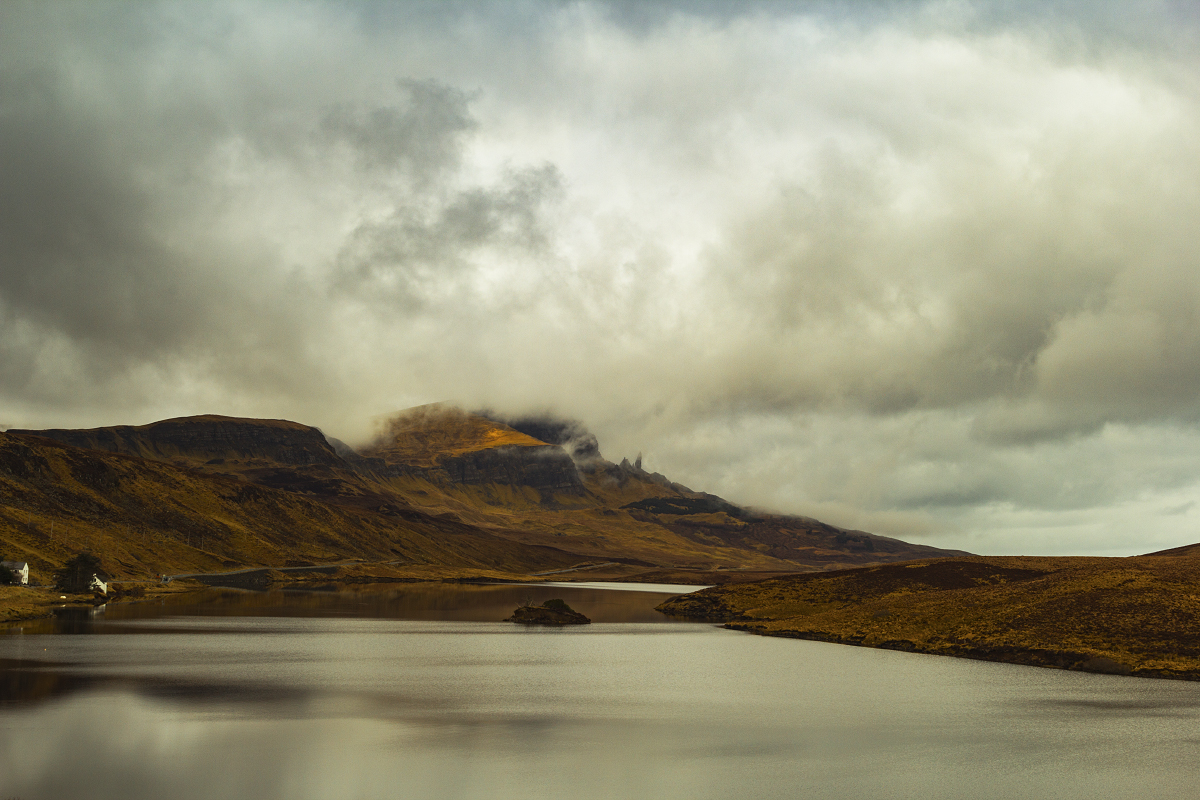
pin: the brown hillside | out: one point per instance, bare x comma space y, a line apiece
145, 517
443, 467
622, 511
1138, 615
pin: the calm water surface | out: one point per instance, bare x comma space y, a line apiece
421, 692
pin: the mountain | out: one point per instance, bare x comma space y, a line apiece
145, 517
437, 486
1138, 615
615, 511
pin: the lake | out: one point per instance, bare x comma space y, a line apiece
419, 691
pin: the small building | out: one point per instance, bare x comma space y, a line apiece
98, 585
19, 569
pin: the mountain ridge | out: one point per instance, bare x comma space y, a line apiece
534, 503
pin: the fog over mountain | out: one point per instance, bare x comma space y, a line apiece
924, 269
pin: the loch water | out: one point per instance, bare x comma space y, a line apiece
420, 691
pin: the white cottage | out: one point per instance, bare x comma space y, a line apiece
19, 569
98, 585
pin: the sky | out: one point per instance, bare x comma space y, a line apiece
927, 270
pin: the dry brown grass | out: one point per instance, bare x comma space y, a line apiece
1139, 615
146, 517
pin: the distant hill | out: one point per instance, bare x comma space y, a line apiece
438, 486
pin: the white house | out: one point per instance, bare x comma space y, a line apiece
98, 585
19, 569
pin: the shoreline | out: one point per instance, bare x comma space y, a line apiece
1137, 616
1016, 656
22, 604
711, 605
32, 603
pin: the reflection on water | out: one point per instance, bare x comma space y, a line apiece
426, 601
387, 694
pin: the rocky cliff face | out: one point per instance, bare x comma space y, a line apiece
208, 439
447, 445
546, 468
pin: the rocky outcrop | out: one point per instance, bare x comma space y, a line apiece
551, 612
636, 472
546, 468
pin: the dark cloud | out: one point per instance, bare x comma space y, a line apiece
423, 137
79, 251
410, 257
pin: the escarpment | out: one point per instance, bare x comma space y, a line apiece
208, 438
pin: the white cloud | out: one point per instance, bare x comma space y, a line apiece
906, 267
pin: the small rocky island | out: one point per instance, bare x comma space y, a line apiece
551, 612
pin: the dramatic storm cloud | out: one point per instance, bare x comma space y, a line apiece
927, 269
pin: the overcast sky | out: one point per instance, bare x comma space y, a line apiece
925, 269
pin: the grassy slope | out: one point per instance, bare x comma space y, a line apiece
588, 526
146, 517
1122, 615
592, 525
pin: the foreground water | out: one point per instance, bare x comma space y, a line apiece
420, 692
